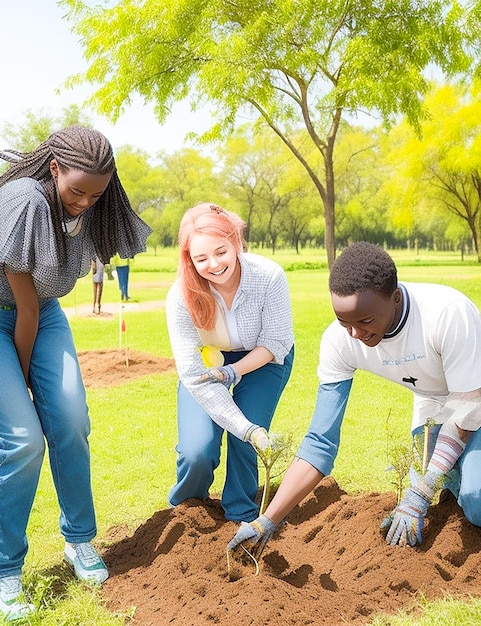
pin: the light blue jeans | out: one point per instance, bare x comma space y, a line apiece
58, 414
123, 277
464, 480
199, 445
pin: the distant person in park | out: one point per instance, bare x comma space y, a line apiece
60, 206
427, 338
122, 267
230, 326
98, 283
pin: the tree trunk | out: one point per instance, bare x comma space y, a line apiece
329, 202
330, 232
477, 244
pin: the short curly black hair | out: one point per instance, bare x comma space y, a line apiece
362, 267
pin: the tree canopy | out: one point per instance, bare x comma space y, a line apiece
394, 188
442, 169
290, 63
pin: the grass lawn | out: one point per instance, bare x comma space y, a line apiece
134, 425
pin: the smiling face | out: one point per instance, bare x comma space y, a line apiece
215, 259
368, 315
78, 190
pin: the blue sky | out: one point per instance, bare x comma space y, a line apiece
39, 52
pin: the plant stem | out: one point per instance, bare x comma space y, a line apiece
266, 490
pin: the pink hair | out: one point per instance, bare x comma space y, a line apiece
207, 219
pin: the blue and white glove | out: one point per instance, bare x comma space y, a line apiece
404, 525
258, 438
225, 374
406, 522
256, 533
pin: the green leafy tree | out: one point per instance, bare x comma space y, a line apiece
153, 216
265, 182
302, 209
293, 64
359, 169
144, 186
442, 169
457, 233
37, 126
142, 181
243, 160
262, 171
188, 178
276, 204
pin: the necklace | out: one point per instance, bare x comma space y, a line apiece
73, 225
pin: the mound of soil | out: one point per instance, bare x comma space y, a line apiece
328, 564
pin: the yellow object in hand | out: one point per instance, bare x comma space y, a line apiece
212, 356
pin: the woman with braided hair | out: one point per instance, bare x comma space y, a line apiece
60, 206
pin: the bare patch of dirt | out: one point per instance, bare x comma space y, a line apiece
115, 367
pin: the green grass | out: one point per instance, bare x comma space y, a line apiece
134, 426
444, 612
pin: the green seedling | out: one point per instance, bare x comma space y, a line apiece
279, 450
402, 457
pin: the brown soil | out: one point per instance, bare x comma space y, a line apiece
328, 564
117, 367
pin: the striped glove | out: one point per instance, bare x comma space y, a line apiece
404, 525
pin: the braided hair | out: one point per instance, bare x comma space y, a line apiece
363, 266
114, 225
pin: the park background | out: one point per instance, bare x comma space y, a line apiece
320, 123
134, 430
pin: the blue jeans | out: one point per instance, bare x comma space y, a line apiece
57, 414
198, 449
464, 480
123, 278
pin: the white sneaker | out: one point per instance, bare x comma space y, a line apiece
86, 562
12, 600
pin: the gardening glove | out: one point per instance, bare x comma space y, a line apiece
404, 525
257, 533
258, 438
225, 374
406, 521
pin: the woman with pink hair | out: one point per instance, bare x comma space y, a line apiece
230, 326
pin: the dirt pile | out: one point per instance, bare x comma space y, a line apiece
328, 564
117, 367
